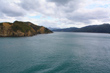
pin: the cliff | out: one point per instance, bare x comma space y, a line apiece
20, 29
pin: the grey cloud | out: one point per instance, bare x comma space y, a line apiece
88, 16
60, 1
1, 15
61, 9
12, 13
47, 9
29, 4
8, 9
38, 6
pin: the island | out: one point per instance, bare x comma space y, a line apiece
21, 29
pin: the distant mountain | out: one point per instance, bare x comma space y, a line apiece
104, 28
21, 29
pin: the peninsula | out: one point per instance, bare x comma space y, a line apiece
21, 29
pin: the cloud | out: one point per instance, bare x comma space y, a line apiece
41, 6
10, 9
60, 1
63, 12
87, 16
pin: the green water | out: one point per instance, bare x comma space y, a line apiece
60, 52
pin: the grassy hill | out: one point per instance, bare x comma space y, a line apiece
19, 28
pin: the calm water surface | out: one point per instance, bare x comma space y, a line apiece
60, 52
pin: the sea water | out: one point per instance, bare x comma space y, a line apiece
59, 52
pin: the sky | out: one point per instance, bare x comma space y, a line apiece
56, 13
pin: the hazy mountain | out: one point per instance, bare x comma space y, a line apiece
103, 28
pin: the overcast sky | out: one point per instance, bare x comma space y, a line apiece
56, 13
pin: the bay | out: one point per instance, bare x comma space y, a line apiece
59, 52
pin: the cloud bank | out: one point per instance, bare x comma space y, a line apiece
56, 13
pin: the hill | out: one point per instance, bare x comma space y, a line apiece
20, 29
103, 28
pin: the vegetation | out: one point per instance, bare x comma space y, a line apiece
9, 23
1, 24
20, 26
104, 28
46, 30
21, 29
